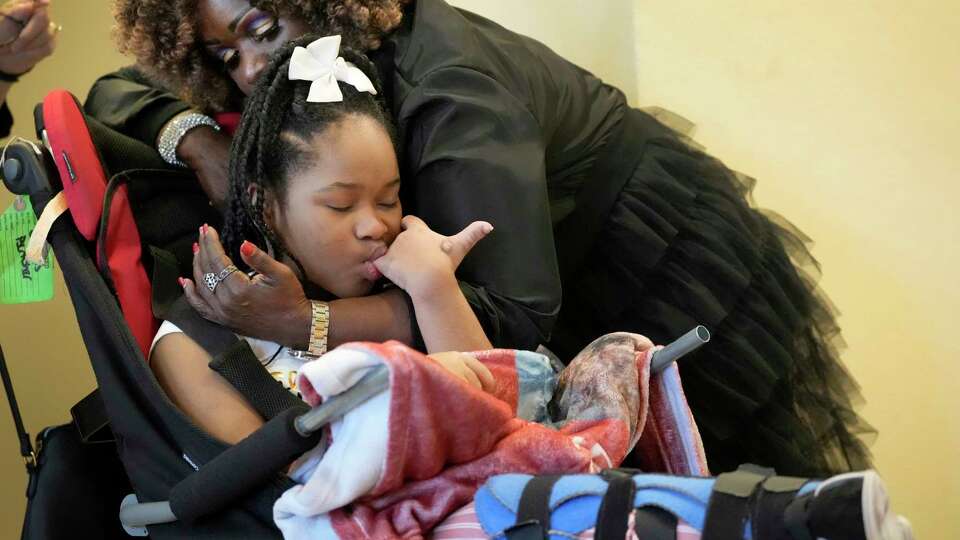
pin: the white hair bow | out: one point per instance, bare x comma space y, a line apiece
321, 63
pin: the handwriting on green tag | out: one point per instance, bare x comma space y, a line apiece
20, 281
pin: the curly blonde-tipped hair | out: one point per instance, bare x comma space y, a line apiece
164, 38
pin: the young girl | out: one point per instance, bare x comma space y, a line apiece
318, 185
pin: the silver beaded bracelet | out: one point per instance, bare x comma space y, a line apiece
176, 130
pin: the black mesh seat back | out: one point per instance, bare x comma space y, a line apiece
119, 152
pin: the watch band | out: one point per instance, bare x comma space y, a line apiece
319, 327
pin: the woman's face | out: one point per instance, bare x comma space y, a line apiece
242, 37
341, 211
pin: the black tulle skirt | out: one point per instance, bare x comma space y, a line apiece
682, 246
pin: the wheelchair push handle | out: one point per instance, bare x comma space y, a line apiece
255, 460
685, 344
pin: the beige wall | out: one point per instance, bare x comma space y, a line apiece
844, 111
847, 114
597, 35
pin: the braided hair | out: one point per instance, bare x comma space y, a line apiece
274, 140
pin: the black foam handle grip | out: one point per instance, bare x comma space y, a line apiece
242, 468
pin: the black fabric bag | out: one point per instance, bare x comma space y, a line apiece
74, 488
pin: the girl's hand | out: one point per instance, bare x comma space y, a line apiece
422, 262
467, 368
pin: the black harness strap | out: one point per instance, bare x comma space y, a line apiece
234, 360
795, 518
613, 519
654, 523
211, 336
533, 512
775, 495
164, 271
243, 370
729, 506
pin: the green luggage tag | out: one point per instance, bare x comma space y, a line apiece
21, 282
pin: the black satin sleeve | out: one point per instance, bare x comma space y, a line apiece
472, 151
127, 101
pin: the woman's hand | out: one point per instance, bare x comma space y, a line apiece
271, 305
423, 262
467, 368
26, 35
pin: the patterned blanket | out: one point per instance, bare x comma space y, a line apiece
399, 464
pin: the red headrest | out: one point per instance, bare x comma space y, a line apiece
84, 180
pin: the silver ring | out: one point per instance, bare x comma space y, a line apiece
213, 280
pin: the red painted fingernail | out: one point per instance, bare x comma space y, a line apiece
182, 282
196, 248
203, 230
246, 248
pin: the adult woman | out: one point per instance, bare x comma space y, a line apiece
647, 233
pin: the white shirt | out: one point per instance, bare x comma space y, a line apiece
280, 361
